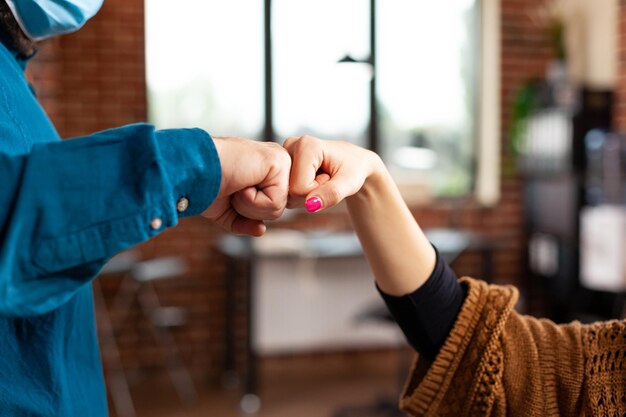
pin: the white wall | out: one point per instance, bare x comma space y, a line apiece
312, 305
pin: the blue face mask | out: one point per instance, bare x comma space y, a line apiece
41, 19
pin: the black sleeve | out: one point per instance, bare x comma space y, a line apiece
427, 315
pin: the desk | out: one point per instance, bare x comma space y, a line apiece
280, 245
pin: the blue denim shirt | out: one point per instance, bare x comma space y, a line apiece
66, 207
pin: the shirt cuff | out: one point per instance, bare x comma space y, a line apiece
192, 165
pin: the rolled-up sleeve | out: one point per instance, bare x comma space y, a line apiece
67, 207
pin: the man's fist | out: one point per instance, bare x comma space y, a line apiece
254, 188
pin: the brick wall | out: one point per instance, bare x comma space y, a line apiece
95, 79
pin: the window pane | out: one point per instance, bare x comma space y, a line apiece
205, 65
312, 93
427, 78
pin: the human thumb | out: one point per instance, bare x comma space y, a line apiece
327, 195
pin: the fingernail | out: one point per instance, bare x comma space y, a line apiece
313, 204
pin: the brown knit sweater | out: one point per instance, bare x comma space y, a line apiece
497, 362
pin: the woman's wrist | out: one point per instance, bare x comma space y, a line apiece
388, 232
377, 182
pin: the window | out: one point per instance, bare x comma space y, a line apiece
313, 94
204, 61
427, 58
437, 123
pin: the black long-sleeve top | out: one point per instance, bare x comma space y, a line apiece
426, 315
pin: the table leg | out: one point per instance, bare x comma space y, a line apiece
230, 379
250, 402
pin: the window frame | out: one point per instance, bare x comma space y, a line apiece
486, 190
486, 175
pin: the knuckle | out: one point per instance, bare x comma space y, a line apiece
304, 140
284, 155
310, 141
303, 145
272, 149
298, 189
289, 141
296, 144
277, 203
274, 215
278, 156
333, 195
275, 146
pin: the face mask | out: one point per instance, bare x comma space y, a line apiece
41, 19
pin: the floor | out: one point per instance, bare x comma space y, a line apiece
311, 386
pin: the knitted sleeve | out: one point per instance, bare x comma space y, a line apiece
496, 362
604, 346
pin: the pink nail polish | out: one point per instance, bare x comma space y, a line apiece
313, 204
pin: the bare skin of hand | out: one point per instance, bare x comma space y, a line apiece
254, 187
328, 170
401, 256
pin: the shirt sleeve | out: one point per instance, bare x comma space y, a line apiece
427, 315
67, 207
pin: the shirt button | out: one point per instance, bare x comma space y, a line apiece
156, 223
182, 205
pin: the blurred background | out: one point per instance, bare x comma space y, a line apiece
501, 121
